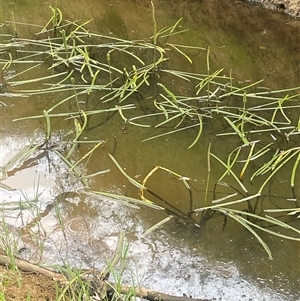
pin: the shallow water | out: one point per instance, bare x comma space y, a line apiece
206, 263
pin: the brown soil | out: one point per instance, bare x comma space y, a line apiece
18, 286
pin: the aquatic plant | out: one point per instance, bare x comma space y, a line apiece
98, 74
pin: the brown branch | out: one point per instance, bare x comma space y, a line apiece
150, 295
26, 266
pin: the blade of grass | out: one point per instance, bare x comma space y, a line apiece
199, 132
130, 179
159, 224
244, 223
214, 207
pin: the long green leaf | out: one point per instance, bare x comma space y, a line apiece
221, 205
199, 132
159, 224
244, 223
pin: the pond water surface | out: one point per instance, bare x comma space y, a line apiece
207, 262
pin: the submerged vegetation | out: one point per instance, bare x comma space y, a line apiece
104, 75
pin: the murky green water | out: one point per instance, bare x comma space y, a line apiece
208, 262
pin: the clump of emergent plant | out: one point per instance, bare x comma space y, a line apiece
100, 74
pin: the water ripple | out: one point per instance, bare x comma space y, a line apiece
81, 225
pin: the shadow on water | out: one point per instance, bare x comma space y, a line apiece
208, 262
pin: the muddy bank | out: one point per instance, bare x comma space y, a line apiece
290, 7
